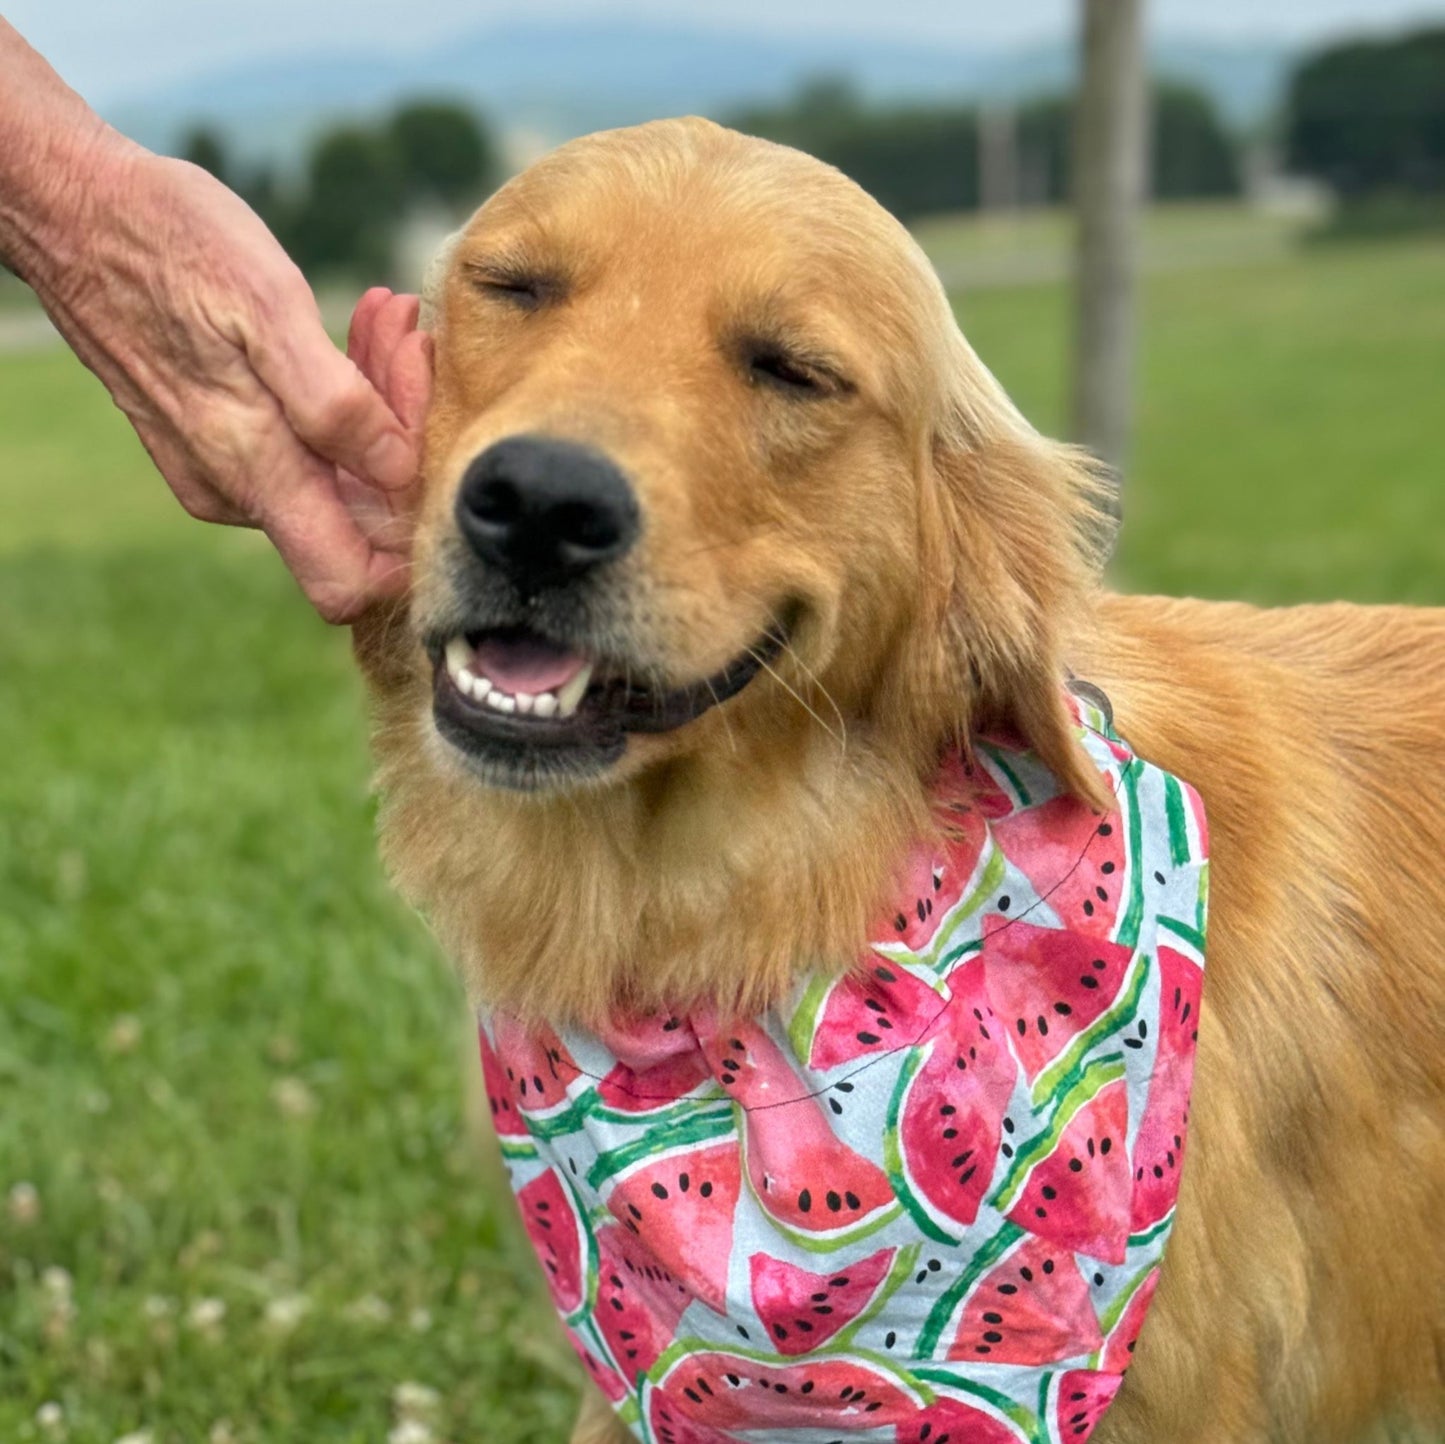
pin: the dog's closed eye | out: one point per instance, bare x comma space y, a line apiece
773, 365
514, 286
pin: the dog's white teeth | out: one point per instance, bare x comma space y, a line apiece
459, 657
563, 702
569, 695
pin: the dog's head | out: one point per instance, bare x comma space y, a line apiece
709, 466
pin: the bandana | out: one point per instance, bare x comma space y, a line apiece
925, 1201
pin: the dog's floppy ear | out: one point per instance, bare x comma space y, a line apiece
1029, 523
433, 281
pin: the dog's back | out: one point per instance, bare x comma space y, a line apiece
1307, 1276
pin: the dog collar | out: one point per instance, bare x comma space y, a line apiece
927, 1199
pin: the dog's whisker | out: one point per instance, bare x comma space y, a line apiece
781, 631
726, 721
840, 738
827, 695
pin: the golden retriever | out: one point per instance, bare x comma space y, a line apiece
804, 541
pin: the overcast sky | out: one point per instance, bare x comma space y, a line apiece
115, 48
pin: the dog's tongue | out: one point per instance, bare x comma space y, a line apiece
525, 664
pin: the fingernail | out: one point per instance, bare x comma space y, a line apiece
391, 461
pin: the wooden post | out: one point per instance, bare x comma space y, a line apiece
1110, 155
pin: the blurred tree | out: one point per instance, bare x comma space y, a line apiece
1191, 153
828, 99
913, 159
1046, 130
920, 159
204, 147
260, 190
354, 195
1369, 116
445, 154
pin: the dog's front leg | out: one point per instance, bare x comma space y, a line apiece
597, 1424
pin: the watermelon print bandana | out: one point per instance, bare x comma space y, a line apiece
925, 1202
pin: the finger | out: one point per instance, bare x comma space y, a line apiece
323, 546
359, 334
394, 321
331, 406
409, 380
385, 518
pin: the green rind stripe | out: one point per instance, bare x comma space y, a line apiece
587, 1330
1137, 1240
517, 1150
893, 1153
1185, 932
682, 1349
956, 955
1128, 933
1058, 1074
983, 1260
904, 1263
986, 886
831, 1242
1025, 1419
996, 758
1116, 1310
590, 1261
1044, 1382
819, 1242
670, 1116
656, 1142
1094, 1079
560, 1124
1178, 816
804, 1022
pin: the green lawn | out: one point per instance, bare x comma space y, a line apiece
238, 1198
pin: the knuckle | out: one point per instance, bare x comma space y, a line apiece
344, 408
201, 504
333, 603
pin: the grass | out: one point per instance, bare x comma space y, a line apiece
14, 296
1291, 443
238, 1196
1012, 248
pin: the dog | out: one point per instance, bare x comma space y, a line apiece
714, 482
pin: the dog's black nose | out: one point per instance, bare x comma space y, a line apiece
545, 511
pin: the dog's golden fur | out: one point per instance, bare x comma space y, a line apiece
939, 558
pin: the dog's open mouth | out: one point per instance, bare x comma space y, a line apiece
533, 708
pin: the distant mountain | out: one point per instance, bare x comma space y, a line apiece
556, 80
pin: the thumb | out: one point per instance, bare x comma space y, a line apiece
323, 547
331, 406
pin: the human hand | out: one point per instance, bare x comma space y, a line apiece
170, 288
384, 344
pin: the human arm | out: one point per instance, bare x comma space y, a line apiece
208, 338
